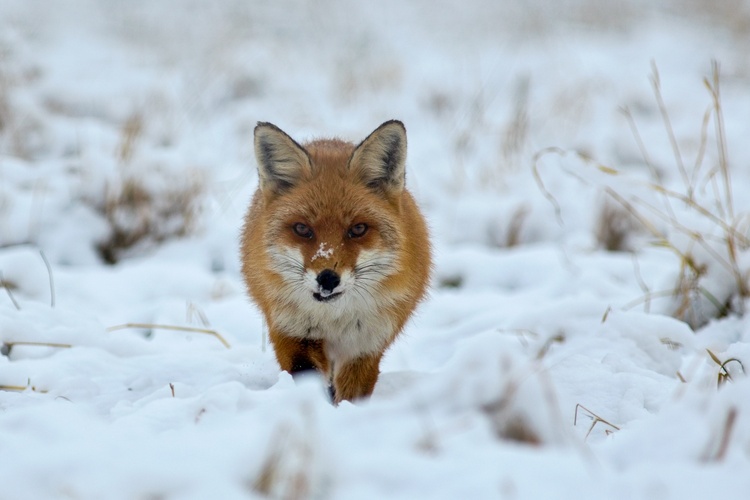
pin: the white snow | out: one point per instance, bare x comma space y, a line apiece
540, 366
324, 252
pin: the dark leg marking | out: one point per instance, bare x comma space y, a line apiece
332, 393
302, 365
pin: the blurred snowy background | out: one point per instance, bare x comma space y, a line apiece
584, 167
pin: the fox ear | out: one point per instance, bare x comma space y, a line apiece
282, 163
380, 160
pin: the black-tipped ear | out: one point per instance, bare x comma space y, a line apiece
380, 160
282, 163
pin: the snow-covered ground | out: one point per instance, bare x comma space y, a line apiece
591, 255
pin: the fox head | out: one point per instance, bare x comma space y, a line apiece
332, 214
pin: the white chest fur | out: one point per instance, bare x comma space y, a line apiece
348, 335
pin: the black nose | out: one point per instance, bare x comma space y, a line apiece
328, 280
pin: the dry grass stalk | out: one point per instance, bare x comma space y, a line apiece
509, 424
5, 110
144, 205
614, 226
137, 213
513, 236
194, 310
642, 284
286, 471
8, 285
639, 142
555, 339
132, 130
205, 331
521, 333
51, 279
22, 388
724, 375
656, 84
596, 419
724, 438
516, 420
721, 250
516, 131
8, 346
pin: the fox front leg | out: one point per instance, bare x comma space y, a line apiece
356, 379
299, 355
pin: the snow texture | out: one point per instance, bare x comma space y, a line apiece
591, 258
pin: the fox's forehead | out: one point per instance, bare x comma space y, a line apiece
330, 202
331, 195
329, 155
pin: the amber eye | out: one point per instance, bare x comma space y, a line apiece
302, 230
357, 230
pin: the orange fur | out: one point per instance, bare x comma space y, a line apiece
334, 189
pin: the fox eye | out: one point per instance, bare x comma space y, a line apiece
302, 230
357, 230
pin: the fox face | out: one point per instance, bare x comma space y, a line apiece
331, 259
333, 240
334, 263
334, 251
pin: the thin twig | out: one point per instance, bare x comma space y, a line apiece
194, 310
732, 360
521, 334
658, 188
7, 289
38, 344
596, 419
641, 283
538, 178
654, 172
560, 338
723, 167
639, 142
656, 83
726, 434
692, 234
727, 227
18, 388
51, 279
172, 328
700, 156
648, 298
721, 141
21, 388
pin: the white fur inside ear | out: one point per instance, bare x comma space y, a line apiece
282, 163
380, 160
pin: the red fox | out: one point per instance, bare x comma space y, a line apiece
335, 252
